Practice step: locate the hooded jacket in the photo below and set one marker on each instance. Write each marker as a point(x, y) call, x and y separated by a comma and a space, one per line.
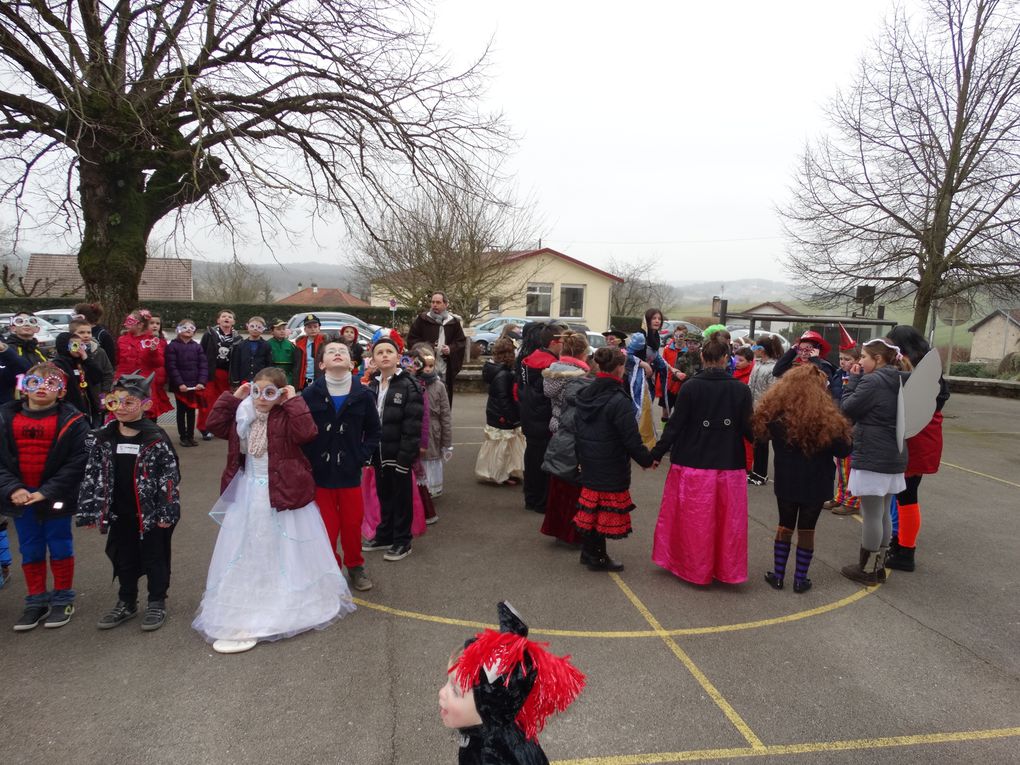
point(871, 402)
point(555, 380)
point(84, 379)
point(357, 352)
point(607, 436)
point(12, 364)
point(401, 421)
point(27, 349)
point(186, 364)
point(536, 409)
point(501, 410)
point(346, 439)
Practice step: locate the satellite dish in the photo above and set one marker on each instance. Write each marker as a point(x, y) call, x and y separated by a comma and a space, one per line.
point(955, 310)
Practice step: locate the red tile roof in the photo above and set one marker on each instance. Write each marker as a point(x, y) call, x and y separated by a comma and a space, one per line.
point(162, 278)
point(324, 297)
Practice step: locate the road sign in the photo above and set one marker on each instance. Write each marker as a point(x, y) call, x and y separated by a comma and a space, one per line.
point(955, 310)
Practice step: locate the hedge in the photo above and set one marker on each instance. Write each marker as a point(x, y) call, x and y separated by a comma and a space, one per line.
point(205, 314)
point(972, 369)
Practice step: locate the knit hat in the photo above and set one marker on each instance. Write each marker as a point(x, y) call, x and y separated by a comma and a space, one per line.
point(515, 681)
point(637, 342)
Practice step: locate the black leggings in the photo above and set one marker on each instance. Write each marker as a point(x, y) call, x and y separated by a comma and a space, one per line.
point(185, 421)
point(761, 459)
point(795, 515)
point(909, 495)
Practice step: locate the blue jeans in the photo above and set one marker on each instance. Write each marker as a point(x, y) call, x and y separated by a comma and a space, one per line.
point(37, 536)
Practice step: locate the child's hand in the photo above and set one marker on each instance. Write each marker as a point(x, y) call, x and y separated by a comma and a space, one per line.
point(182, 388)
point(855, 369)
point(34, 497)
point(20, 497)
point(288, 392)
point(200, 386)
point(421, 453)
point(242, 390)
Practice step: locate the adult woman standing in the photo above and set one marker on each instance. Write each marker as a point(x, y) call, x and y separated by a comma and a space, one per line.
point(702, 529)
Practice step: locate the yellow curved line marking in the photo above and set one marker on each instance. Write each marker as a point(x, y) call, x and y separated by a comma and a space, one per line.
point(983, 475)
point(623, 634)
point(772, 750)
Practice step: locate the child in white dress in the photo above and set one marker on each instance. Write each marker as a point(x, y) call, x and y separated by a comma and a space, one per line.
point(272, 574)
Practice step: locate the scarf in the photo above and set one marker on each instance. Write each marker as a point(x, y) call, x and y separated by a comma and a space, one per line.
point(428, 377)
point(252, 428)
point(338, 386)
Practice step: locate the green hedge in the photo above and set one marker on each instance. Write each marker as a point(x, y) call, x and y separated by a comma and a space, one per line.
point(971, 369)
point(205, 314)
point(626, 323)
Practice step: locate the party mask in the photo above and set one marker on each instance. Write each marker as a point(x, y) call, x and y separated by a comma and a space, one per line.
point(21, 321)
point(150, 343)
point(185, 328)
point(267, 392)
point(76, 346)
point(116, 401)
point(256, 327)
point(33, 383)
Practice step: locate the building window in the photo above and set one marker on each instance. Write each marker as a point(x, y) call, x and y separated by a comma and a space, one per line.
point(539, 300)
point(572, 301)
point(494, 304)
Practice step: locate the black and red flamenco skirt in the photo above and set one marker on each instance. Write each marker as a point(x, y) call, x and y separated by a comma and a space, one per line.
point(604, 512)
point(560, 506)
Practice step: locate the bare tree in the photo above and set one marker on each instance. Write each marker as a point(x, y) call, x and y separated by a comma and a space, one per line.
point(234, 282)
point(463, 244)
point(917, 190)
point(638, 292)
point(123, 113)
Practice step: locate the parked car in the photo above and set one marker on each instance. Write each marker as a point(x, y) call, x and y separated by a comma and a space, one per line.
point(330, 322)
point(494, 326)
point(46, 336)
point(668, 327)
point(595, 341)
point(58, 317)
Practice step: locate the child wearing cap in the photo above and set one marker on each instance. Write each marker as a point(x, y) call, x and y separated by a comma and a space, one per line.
point(812, 348)
point(501, 688)
point(308, 345)
point(42, 457)
point(281, 349)
point(131, 492)
point(187, 370)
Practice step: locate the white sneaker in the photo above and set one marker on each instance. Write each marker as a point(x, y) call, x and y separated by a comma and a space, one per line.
point(233, 646)
point(433, 519)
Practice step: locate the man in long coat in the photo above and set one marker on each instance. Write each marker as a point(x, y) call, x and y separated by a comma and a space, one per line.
point(442, 330)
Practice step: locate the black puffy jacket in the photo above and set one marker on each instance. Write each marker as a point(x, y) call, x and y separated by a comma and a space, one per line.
point(501, 410)
point(401, 422)
point(607, 435)
point(536, 409)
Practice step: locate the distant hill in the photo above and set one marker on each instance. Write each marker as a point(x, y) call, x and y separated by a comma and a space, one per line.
point(736, 291)
point(285, 277)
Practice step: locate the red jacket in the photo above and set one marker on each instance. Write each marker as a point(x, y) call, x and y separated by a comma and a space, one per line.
point(291, 484)
point(301, 357)
point(924, 451)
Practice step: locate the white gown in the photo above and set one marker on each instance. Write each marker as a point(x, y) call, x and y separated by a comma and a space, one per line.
point(272, 574)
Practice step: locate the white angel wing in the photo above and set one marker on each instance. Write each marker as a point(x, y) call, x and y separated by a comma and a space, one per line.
point(920, 392)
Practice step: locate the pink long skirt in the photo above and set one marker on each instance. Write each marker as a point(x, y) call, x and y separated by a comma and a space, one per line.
point(373, 513)
point(701, 533)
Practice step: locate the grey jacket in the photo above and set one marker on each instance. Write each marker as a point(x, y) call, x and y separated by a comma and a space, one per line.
point(870, 401)
point(761, 378)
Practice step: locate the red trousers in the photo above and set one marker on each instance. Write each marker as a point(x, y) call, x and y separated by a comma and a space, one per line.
point(218, 383)
point(342, 512)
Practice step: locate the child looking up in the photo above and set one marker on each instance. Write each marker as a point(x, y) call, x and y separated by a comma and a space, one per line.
point(282, 350)
point(131, 491)
point(252, 354)
point(400, 407)
point(23, 329)
point(42, 457)
point(807, 432)
point(219, 343)
point(440, 439)
point(188, 370)
point(272, 573)
point(345, 414)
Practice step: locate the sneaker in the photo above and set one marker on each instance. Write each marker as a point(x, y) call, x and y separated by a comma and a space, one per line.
point(368, 545)
point(397, 552)
point(359, 579)
point(188, 442)
point(117, 615)
point(433, 519)
point(155, 615)
point(207, 436)
point(844, 510)
point(756, 480)
point(59, 616)
point(31, 617)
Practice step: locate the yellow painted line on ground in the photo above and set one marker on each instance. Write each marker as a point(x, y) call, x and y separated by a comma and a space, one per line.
point(697, 755)
point(983, 475)
point(626, 634)
point(703, 681)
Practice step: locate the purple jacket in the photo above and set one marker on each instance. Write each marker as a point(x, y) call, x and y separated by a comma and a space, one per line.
point(186, 364)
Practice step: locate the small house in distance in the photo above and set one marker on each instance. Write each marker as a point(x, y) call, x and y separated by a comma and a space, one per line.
point(326, 297)
point(996, 336)
point(58, 276)
point(786, 317)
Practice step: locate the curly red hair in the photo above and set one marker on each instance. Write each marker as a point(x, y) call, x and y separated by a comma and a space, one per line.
point(802, 404)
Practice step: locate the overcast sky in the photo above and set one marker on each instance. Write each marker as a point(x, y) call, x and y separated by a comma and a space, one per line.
point(666, 129)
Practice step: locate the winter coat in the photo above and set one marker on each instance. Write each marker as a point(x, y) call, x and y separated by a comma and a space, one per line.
point(291, 485)
point(102, 359)
point(710, 421)
point(12, 364)
point(924, 450)
point(106, 341)
point(440, 434)
point(425, 329)
point(246, 361)
point(871, 401)
point(560, 457)
point(801, 478)
point(301, 358)
point(157, 481)
point(64, 466)
point(84, 380)
point(132, 357)
point(401, 419)
point(501, 410)
point(536, 409)
point(554, 381)
point(346, 439)
point(27, 349)
point(833, 374)
point(761, 378)
point(607, 436)
point(282, 353)
point(211, 345)
point(186, 364)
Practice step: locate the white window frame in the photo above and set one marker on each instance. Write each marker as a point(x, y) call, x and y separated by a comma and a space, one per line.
point(542, 289)
point(584, 297)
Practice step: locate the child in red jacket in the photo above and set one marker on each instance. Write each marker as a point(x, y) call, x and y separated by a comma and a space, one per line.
point(272, 574)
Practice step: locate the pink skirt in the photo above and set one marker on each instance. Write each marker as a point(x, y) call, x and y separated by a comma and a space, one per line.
point(701, 533)
point(373, 513)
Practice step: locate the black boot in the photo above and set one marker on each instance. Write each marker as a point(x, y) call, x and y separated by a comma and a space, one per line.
point(780, 554)
point(901, 559)
point(600, 560)
point(589, 548)
point(864, 570)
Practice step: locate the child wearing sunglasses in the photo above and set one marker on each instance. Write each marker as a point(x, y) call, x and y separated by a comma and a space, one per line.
point(272, 574)
point(252, 355)
point(24, 328)
point(142, 353)
point(42, 457)
point(187, 370)
point(131, 492)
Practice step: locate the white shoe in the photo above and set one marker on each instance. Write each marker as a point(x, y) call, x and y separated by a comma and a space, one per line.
point(233, 646)
point(433, 519)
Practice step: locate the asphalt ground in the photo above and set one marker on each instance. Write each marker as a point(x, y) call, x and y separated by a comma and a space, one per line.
point(923, 669)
